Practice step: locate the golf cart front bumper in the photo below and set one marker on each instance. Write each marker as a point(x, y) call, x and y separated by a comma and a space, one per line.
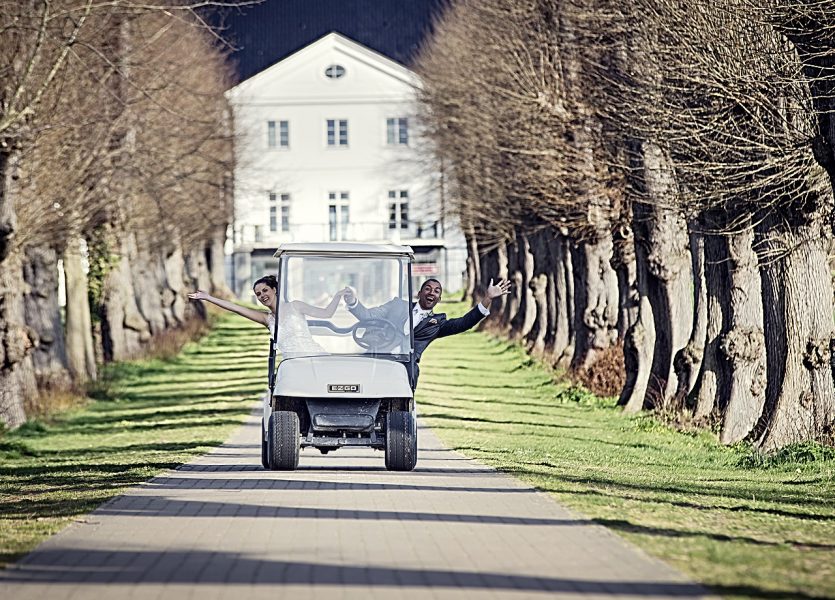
point(342, 400)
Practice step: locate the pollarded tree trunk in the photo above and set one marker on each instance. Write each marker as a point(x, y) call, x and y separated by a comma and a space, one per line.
point(503, 264)
point(566, 333)
point(43, 315)
point(217, 262)
point(173, 293)
point(539, 290)
point(798, 301)
point(664, 276)
point(714, 377)
point(8, 189)
point(171, 290)
point(623, 262)
point(17, 373)
point(732, 378)
point(688, 360)
point(489, 268)
point(550, 240)
point(495, 267)
point(595, 300)
point(124, 330)
point(525, 317)
point(812, 36)
point(473, 264)
point(670, 285)
point(513, 301)
point(17, 377)
point(147, 272)
point(197, 271)
point(81, 358)
point(639, 343)
point(744, 344)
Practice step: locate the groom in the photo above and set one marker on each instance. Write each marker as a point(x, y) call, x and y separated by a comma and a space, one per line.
point(427, 325)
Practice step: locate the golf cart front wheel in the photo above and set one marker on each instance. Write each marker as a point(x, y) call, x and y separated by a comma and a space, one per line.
point(283, 440)
point(401, 440)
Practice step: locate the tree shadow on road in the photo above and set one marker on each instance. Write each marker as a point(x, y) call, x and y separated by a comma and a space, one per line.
point(89, 567)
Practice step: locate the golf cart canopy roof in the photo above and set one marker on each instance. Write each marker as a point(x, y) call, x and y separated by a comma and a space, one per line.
point(344, 249)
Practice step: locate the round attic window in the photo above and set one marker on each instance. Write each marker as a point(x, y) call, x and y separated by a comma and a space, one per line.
point(334, 71)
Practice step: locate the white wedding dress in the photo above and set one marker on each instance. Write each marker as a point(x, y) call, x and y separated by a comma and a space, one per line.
point(294, 337)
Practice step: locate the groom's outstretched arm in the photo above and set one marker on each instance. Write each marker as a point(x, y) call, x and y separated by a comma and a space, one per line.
point(478, 312)
point(461, 324)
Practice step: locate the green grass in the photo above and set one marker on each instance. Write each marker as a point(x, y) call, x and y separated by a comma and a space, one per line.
point(146, 417)
point(745, 525)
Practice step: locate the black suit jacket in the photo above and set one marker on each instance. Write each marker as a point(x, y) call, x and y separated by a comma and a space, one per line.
point(432, 327)
point(436, 326)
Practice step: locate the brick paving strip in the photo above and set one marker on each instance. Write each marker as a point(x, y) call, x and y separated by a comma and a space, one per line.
point(339, 527)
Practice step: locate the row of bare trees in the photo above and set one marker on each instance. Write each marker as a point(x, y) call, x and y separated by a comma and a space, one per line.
point(115, 162)
point(655, 175)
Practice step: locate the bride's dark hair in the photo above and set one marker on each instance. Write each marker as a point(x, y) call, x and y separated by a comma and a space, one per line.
point(269, 280)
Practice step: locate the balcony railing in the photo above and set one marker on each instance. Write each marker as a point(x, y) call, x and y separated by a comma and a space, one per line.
point(348, 232)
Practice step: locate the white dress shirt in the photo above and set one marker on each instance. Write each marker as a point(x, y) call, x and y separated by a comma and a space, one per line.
point(418, 314)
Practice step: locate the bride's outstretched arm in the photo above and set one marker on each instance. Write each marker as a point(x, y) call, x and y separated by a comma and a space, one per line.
point(250, 313)
point(316, 311)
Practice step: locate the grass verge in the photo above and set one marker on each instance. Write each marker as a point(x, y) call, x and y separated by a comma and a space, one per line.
point(748, 527)
point(146, 416)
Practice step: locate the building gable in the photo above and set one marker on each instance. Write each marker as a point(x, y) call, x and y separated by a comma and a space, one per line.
point(302, 75)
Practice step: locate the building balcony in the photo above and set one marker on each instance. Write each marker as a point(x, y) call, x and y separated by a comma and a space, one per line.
point(415, 234)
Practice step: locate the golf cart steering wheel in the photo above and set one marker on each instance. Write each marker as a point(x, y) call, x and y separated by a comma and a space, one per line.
point(377, 334)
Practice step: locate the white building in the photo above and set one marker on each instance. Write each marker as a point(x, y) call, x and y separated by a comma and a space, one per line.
point(328, 148)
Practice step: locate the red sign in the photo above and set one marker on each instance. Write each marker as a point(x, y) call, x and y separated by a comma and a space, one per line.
point(425, 269)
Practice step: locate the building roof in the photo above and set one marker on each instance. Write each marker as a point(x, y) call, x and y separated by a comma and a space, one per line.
point(268, 32)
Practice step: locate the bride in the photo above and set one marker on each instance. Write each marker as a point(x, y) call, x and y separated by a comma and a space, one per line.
point(294, 338)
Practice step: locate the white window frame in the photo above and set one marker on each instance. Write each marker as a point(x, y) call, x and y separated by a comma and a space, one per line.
point(271, 134)
point(284, 213)
point(339, 215)
point(397, 131)
point(336, 75)
point(278, 134)
point(398, 208)
point(273, 212)
point(340, 126)
point(279, 212)
point(284, 134)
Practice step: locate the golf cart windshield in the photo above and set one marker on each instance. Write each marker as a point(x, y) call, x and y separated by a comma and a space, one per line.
point(311, 281)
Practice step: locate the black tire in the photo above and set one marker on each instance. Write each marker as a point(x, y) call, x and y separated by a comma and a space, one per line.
point(284, 440)
point(265, 448)
point(401, 440)
point(324, 450)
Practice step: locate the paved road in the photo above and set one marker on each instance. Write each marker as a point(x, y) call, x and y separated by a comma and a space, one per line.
point(339, 527)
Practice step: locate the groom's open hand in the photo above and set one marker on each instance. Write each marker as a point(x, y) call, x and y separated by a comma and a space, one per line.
point(502, 288)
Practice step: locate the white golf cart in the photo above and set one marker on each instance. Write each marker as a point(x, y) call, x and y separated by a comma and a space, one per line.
point(355, 386)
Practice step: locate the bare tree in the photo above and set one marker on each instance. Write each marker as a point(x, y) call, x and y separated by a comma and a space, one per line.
point(673, 151)
point(78, 97)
